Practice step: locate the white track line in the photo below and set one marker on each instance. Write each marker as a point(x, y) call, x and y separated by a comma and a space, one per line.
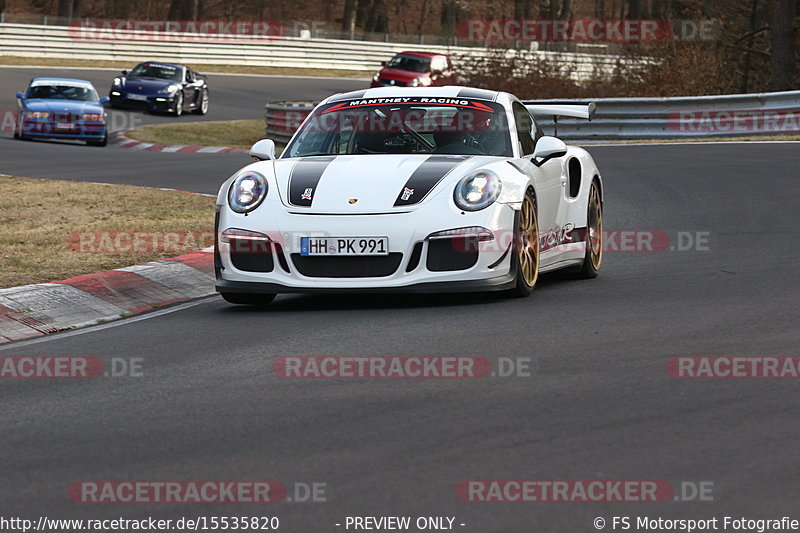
point(121, 322)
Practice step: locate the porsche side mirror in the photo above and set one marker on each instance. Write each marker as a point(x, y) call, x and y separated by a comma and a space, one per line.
point(548, 148)
point(20, 96)
point(383, 63)
point(124, 72)
point(263, 150)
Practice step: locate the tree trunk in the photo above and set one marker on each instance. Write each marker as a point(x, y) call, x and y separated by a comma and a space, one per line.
point(76, 8)
point(748, 58)
point(634, 9)
point(349, 17)
point(65, 8)
point(175, 9)
point(782, 60)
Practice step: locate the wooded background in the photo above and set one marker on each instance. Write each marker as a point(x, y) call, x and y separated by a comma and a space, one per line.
point(758, 49)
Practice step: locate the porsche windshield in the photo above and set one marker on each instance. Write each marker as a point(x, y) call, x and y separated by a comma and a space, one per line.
point(158, 71)
point(406, 125)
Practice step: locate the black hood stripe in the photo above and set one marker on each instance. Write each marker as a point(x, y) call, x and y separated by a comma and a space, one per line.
point(426, 177)
point(304, 179)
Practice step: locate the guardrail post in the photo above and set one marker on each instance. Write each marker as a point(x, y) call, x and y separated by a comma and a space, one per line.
point(2, 17)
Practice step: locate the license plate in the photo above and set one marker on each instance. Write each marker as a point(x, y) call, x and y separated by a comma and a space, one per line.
point(140, 97)
point(344, 246)
point(63, 126)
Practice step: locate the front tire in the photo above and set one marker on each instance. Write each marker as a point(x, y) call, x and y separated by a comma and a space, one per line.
point(248, 298)
point(179, 105)
point(102, 142)
point(594, 235)
point(202, 108)
point(526, 243)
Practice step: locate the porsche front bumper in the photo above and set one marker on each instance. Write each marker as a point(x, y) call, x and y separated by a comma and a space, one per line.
point(418, 260)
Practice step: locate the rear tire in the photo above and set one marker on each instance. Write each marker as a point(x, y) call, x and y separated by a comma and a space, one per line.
point(526, 244)
point(594, 235)
point(248, 298)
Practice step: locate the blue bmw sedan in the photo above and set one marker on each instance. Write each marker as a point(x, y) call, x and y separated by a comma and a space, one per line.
point(62, 108)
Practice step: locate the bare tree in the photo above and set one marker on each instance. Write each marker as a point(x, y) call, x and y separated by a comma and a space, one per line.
point(782, 61)
point(183, 10)
point(349, 17)
point(65, 8)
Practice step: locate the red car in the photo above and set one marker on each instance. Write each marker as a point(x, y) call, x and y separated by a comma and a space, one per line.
point(416, 69)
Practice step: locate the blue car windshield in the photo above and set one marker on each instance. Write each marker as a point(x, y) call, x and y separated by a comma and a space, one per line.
point(63, 92)
point(404, 125)
point(158, 71)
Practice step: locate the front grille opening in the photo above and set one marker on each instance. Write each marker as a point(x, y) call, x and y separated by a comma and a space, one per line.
point(416, 254)
point(458, 253)
point(251, 256)
point(347, 266)
point(281, 258)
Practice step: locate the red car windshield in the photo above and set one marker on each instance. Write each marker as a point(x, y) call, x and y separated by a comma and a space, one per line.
point(410, 63)
point(406, 125)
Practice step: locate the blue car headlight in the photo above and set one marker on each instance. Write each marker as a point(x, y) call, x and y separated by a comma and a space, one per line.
point(118, 82)
point(172, 89)
point(247, 192)
point(477, 191)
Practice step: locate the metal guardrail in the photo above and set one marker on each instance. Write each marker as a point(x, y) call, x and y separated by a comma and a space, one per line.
point(31, 40)
point(632, 118)
point(683, 117)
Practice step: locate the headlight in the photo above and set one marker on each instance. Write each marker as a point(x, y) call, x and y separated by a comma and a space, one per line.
point(375, 78)
point(96, 117)
point(117, 82)
point(172, 89)
point(477, 191)
point(247, 192)
point(414, 82)
point(37, 114)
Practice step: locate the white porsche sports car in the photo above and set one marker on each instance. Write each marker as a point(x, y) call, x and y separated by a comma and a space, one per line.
point(440, 189)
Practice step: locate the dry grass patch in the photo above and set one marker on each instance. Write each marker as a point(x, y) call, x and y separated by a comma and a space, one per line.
point(236, 133)
point(205, 69)
point(38, 216)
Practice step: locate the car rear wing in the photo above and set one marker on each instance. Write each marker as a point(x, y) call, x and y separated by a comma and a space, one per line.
point(555, 109)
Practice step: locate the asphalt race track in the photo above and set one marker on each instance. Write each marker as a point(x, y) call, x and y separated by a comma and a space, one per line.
point(598, 405)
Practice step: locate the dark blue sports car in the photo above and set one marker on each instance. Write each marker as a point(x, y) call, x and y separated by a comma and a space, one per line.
point(161, 87)
point(62, 108)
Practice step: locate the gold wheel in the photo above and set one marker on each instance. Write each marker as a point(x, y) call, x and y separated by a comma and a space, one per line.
point(595, 228)
point(528, 252)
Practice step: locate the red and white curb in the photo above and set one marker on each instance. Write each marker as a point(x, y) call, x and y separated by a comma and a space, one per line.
point(32, 310)
point(119, 139)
